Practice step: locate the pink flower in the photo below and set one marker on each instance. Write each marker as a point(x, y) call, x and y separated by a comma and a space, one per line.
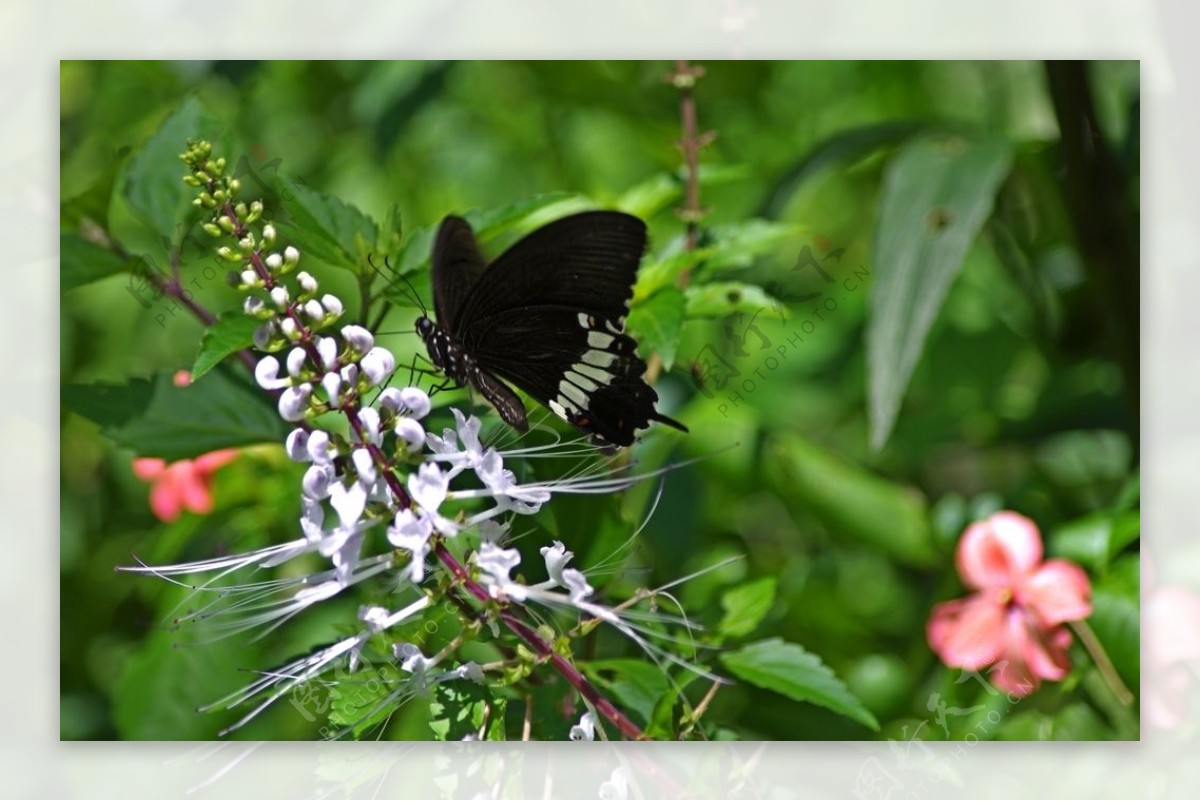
point(186, 484)
point(1015, 619)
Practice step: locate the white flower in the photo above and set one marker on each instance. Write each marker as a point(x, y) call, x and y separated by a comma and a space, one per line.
point(374, 616)
point(358, 338)
point(289, 328)
point(266, 373)
point(411, 533)
point(312, 519)
point(585, 729)
point(470, 670)
point(349, 502)
point(296, 445)
point(332, 383)
point(428, 486)
point(412, 661)
point(295, 361)
point(274, 261)
point(496, 563)
point(377, 365)
point(327, 349)
point(502, 483)
point(556, 556)
point(306, 282)
point(410, 401)
point(293, 403)
point(491, 531)
point(291, 254)
point(576, 584)
point(467, 434)
point(364, 464)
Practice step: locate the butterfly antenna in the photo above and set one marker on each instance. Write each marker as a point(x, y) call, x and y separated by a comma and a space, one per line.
point(416, 296)
point(390, 277)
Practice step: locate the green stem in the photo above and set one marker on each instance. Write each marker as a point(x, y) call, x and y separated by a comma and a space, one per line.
point(1103, 663)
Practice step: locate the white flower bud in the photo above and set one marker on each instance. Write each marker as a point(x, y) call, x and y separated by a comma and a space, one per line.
point(377, 365)
point(274, 261)
point(416, 401)
point(327, 349)
point(289, 328)
point(250, 278)
point(268, 233)
point(295, 361)
point(293, 403)
point(291, 254)
point(317, 478)
point(319, 449)
point(332, 305)
point(306, 282)
point(297, 445)
point(410, 431)
point(364, 465)
point(332, 382)
point(280, 297)
point(358, 338)
point(264, 334)
point(314, 310)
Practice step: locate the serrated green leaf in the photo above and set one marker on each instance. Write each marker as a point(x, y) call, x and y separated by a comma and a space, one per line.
point(233, 331)
point(82, 262)
point(788, 669)
point(657, 323)
point(722, 298)
point(160, 419)
point(152, 179)
point(746, 606)
point(328, 228)
point(936, 195)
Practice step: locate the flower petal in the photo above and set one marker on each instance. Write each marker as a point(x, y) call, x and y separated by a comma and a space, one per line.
point(1056, 592)
point(148, 469)
point(165, 501)
point(967, 633)
point(998, 551)
point(213, 460)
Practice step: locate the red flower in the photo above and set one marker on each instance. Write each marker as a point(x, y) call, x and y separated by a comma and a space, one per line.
point(1015, 619)
point(186, 484)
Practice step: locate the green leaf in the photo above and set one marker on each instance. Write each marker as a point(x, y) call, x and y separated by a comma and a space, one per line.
point(328, 228)
point(636, 685)
point(153, 183)
point(460, 708)
point(361, 701)
point(82, 262)
point(662, 189)
point(788, 669)
point(160, 419)
point(732, 246)
point(1116, 624)
point(936, 195)
point(658, 322)
point(851, 502)
point(746, 606)
point(1094, 540)
point(722, 298)
point(522, 216)
point(233, 331)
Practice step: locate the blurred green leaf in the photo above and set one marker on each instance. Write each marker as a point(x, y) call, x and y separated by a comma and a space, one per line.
point(328, 228)
point(360, 701)
point(850, 501)
point(82, 262)
point(788, 669)
point(636, 685)
point(233, 331)
point(152, 179)
point(936, 195)
point(522, 216)
point(1094, 540)
point(160, 419)
point(662, 189)
point(1115, 621)
point(657, 323)
point(723, 298)
point(746, 606)
point(1076, 721)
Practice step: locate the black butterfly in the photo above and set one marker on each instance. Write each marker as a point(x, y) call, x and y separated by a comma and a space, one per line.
point(548, 315)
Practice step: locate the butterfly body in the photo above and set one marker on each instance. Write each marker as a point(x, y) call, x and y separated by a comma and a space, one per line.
point(548, 316)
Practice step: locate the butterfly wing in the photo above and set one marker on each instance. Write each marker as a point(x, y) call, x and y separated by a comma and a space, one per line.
point(457, 266)
point(549, 314)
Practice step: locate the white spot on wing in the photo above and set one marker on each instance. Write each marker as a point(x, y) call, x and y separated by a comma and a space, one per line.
point(581, 382)
point(573, 392)
point(593, 373)
point(597, 339)
point(558, 409)
point(583, 320)
point(600, 358)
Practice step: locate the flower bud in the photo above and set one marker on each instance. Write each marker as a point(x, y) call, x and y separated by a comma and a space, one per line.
point(314, 310)
point(296, 445)
point(332, 305)
point(358, 337)
point(274, 261)
point(377, 365)
point(289, 329)
point(268, 234)
point(254, 212)
point(291, 254)
point(332, 384)
point(295, 361)
point(280, 297)
point(327, 349)
point(212, 229)
point(306, 281)
point(293, 403)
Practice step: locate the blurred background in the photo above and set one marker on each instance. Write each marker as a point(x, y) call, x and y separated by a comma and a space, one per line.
point(1024, 395)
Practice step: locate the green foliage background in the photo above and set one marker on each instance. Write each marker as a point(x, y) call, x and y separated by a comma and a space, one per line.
point(965, 259)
